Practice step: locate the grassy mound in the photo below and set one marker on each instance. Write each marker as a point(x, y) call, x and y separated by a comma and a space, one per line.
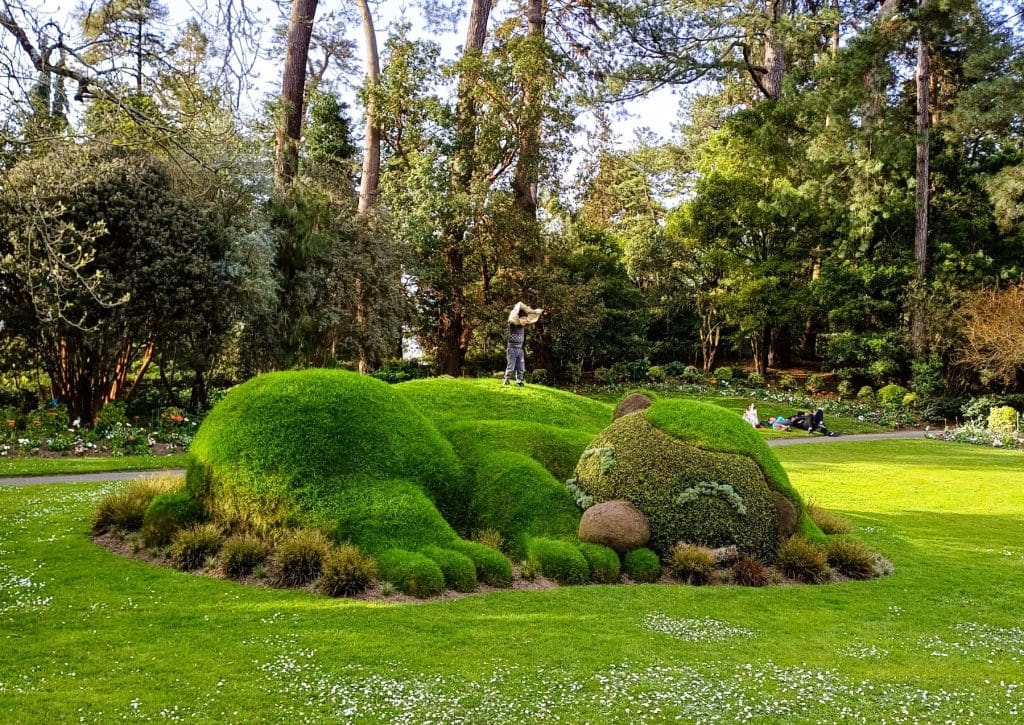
point(447, 400)
point(688, 493)
point(298, 447)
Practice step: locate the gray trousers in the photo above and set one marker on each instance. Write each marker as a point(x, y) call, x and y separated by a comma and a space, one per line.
point(516, 364)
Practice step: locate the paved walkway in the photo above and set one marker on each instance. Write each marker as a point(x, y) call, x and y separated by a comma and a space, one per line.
point(854, 437)
point(127, 475)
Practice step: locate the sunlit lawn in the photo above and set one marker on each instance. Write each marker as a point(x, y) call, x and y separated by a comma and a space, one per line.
point(45, 466)
point(85, 634)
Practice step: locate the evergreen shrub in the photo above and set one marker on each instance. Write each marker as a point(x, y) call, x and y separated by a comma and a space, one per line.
point(724, 374)
point(558, 560)
point(1002, 419)
point(891, 395)
point(866, 394)
point(692, 374)
point(657, 374)
point(815, 382)
point(492, 568)
point(642, 565)
point(458, 569)
point(603, 563)
point(412, 572)
point(166, 514)
point(756, 380)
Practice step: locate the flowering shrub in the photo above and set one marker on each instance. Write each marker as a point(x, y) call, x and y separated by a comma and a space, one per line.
point(977, 434)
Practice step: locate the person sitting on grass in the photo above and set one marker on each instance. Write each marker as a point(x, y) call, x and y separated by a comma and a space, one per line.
point(750, 415)
point(520, 316)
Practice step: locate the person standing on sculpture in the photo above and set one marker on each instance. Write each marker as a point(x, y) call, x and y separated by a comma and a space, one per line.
point(520, 316)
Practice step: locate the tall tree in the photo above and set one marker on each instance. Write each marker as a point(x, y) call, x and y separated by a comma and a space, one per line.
point(370, 178)
point(922, 152)
point(293, 91)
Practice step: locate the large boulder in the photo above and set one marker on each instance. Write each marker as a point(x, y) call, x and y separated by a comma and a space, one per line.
point(632, 403)
point(698, 473)
point(618, 525)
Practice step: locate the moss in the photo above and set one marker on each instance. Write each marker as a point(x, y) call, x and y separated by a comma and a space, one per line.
point(558, 560)
point(642, 565)
point(166, 514)
point(603, 563)
point(707, 426)
point(492, 567)
point(688, 493)
point(458, 569)
point(413, 573)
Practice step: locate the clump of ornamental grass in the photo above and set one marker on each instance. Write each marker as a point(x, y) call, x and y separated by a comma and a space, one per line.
point(491, 538)
point(347, 571)
point(850, 558)
point(830, 523)
point(690, 563)
point(125, 509)
point(299, 557)
point(194, 546)
point(241, 554)
point(799, 559)
point(749, 572)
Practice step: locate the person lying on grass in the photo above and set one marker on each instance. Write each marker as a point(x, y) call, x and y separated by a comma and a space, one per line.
point(811, 422)
point(520, 316)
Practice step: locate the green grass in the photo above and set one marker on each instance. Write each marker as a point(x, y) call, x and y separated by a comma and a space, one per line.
point(59, 466)
point(87, 635)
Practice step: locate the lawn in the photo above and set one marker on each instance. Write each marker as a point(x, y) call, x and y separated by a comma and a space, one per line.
point(89, 636)
point(50, 466)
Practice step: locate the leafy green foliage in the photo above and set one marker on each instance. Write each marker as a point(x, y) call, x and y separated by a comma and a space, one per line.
point(166, 514)
point(558, 560)
point(802, 560)
point(892, 395)
point(241, 554)
point(346, 571)
point(642, 565)
point(413, 573)
point(690, 563)
point(299, 557)
point(191, 547)
point(603, 562)
point(458, 569)
point(1003, 419)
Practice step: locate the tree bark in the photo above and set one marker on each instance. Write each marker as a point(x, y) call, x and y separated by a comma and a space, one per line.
point(774, 52)
point(527, 172)
point(454, 333)
point(293, 87)
point(917, 332)
point(371, 146)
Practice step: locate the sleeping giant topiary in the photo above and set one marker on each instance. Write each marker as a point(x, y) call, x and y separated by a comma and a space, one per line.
point(698, 472)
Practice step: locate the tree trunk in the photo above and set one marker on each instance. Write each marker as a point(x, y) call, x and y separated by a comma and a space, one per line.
point(873, 83)
point(527, 172)
point(293, 85)
point(774, 56)
point(371, 146)
point(917, 333)
point(199, 397)
point(453, 332)
point(370, 177)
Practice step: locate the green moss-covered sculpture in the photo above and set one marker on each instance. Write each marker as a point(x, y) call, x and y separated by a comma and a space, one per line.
point(699, 474)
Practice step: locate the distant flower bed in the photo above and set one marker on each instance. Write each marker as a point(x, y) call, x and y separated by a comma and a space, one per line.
point(978, 435)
